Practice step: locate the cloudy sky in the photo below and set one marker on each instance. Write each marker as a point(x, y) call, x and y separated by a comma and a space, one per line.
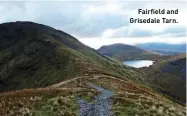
point(101, 23)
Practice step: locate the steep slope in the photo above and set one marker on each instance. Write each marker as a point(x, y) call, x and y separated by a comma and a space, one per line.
point(169, 77)
point(126, 52)
point(34, 55)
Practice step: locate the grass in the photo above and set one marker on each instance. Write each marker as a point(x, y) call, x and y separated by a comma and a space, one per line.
point(40, 56)
point(65, 106)
point(42, 102)
point(44, 60)
point(128, 100)
point(168, 77)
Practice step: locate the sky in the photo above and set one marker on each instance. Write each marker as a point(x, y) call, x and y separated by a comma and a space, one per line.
point(97, 23)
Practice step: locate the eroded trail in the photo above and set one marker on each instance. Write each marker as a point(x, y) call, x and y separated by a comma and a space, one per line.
point(101, 105)
point(128, 96)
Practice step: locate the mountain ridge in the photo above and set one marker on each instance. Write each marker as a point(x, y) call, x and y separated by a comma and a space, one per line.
point(164, 48)
point(29, 51)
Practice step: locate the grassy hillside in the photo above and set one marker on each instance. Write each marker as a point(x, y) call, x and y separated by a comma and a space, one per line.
point(58, 69)
point(34, 55)
point(60, 99)
point(169, 77)
point(126, 52)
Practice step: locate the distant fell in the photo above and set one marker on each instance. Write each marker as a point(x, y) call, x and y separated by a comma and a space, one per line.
point(164, 48)
point(126, 52)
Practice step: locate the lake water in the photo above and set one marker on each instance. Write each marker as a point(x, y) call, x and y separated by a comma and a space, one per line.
point(138, 63)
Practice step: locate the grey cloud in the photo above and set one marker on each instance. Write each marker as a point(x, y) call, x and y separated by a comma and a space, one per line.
point(174, 32)
point(141, 33)
point(72, 18)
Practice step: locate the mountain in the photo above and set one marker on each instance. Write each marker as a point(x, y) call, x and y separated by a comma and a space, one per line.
point(163, 48)
point(169, 77)
point(44, 71)
point(126, 52)
point(34, 55)
point(164, 52)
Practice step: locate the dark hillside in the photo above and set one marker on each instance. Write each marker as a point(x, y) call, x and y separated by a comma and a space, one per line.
point(35, 55)
point(169, 77)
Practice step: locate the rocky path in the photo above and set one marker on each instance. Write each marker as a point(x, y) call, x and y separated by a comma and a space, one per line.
point(101, 105)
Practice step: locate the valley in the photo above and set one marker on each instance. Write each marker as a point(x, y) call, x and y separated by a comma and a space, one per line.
point(43, 72)
point(165, 73)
